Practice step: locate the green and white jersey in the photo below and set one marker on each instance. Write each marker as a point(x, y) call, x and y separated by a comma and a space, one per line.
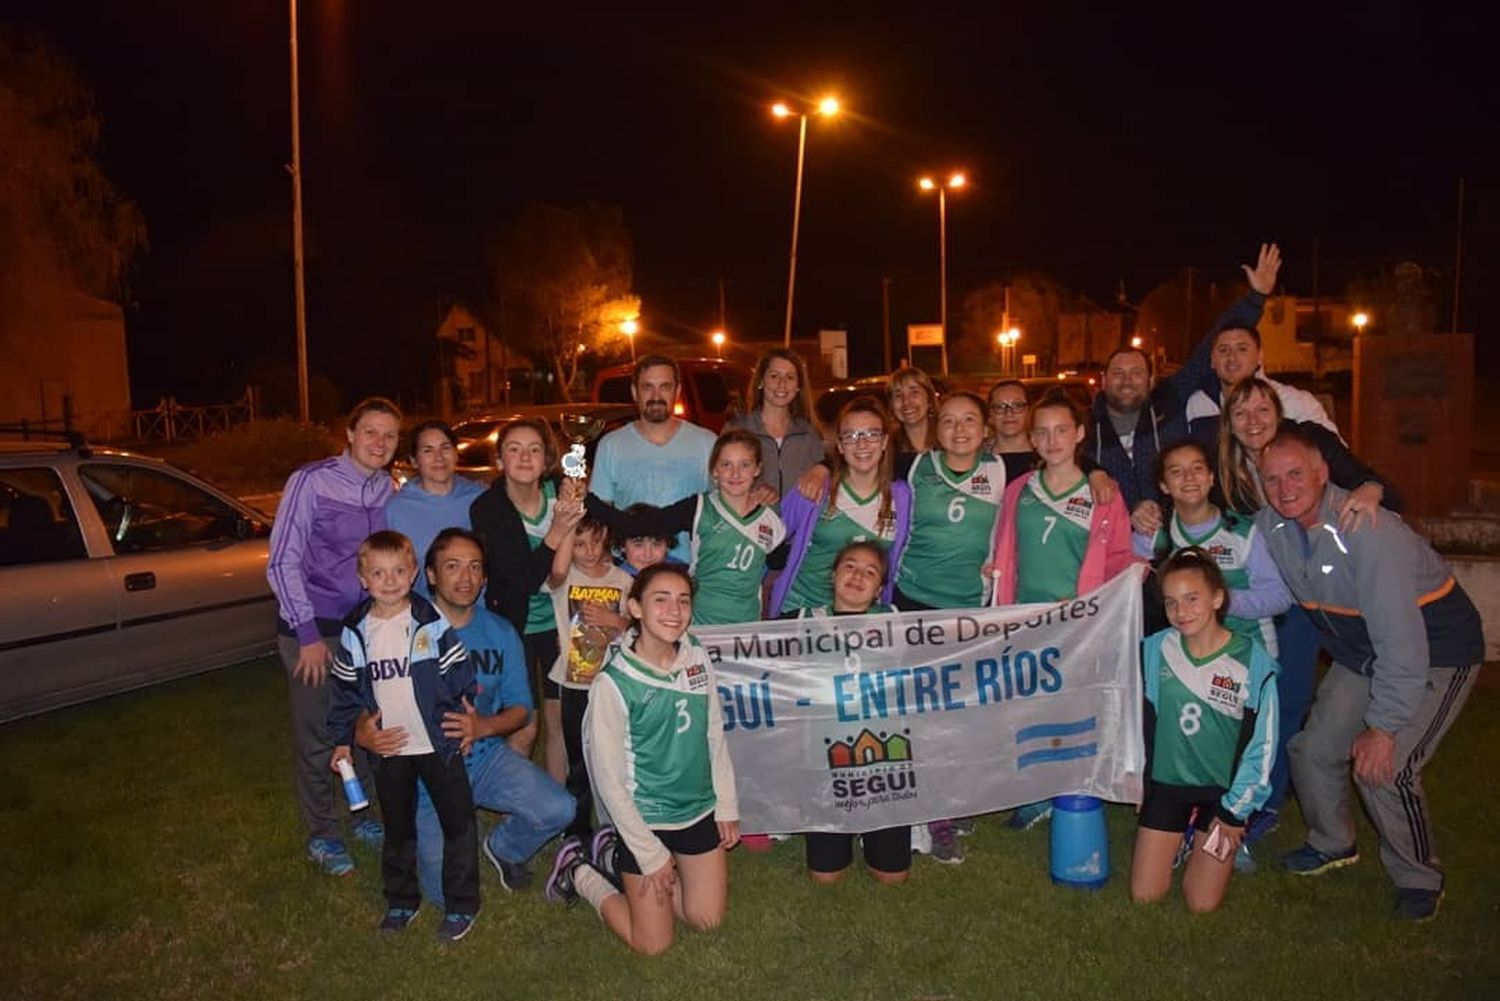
point(539, 617)
point(952, 518)
point(729, 560)
point(1052, 538)
point(1228, 539)
point(665, 762)
point(1215, 718)
point(854, 519)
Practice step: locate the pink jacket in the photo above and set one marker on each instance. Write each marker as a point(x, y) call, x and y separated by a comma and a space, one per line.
point(1108, 554)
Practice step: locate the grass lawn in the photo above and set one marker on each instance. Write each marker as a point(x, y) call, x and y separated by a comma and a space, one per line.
point(153, 851)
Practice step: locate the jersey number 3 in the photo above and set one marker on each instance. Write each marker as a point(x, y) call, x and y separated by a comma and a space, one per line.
point(683, 719)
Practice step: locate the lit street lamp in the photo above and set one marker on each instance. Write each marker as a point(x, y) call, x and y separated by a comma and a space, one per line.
point(828, 107)
point(629, 328)
point(1136, 342)
point(955, 181)
point(718, 338)
point(1007, 340)
point(1360, 320)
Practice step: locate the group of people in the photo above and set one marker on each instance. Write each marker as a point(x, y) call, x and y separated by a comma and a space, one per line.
point(421, 627)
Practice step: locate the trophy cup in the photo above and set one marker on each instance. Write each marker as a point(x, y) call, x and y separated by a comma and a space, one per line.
point(580, 429)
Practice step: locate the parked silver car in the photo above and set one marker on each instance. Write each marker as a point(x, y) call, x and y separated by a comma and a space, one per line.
point(119, 571)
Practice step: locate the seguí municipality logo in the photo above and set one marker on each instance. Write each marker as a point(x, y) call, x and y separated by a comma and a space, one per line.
point(868, 770)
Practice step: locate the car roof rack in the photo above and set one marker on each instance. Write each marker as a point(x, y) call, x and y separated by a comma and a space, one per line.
point(28, 432)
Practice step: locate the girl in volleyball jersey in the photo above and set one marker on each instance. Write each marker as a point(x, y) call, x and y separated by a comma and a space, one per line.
point(1057, 538)
point(730, 534)
point(859, 574)
point(1211, 719)
point(956, 492)
point(654, 738)
point(1256, 590)
point(860, 502)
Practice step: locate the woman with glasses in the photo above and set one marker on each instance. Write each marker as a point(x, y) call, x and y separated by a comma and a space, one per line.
point(1009, 439)
point(861, 501)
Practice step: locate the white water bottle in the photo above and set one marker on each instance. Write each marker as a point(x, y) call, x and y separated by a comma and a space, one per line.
point(353, 791)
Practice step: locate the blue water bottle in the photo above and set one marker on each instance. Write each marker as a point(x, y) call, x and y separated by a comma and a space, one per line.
point(353, 791)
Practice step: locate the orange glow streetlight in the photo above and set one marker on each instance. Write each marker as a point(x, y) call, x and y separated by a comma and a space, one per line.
point(630, 328)
point(1007, 340)
point(718, 338)
point(1360, 320)
point(955, 180)
point(1136, 343)
point(827, 107)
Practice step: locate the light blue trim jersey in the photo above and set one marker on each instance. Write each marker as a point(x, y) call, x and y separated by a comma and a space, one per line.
point(1203, 709)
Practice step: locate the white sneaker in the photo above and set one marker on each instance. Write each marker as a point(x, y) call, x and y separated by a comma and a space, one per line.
point(921, 841)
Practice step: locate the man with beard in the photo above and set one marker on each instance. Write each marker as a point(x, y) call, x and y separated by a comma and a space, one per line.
point(658, 459)
point(1406, 644)
point(1134, 421)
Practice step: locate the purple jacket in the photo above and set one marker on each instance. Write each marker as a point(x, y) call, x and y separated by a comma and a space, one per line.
point(800, 516)
point(327, 509)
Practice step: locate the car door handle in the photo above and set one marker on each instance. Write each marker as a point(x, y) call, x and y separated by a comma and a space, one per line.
point(140, 581)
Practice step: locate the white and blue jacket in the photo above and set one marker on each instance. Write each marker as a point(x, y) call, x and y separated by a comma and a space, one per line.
point(440, 670)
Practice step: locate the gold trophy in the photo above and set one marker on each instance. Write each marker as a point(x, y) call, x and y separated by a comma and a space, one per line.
point(580, 429)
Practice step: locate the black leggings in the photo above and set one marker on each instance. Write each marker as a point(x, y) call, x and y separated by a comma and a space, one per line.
point(574, 702)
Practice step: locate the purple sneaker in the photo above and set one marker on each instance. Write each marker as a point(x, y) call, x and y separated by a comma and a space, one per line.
point(560, 887)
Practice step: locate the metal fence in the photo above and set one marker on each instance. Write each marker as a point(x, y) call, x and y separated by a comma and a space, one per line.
point(171, 421)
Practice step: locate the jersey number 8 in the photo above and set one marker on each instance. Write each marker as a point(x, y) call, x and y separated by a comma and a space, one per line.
point(1190, 720)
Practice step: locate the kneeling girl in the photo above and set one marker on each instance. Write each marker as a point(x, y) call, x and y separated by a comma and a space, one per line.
point(1211, 720)
point(654, 741)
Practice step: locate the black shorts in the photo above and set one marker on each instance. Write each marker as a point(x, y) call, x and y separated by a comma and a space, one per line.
point(699, 839)
point(886, 850)
point(541, 654)
point(1167, 807)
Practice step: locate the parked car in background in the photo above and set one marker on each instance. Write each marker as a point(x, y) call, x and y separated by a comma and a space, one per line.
point(119, 571)
point(478, 433)
point(712, 389)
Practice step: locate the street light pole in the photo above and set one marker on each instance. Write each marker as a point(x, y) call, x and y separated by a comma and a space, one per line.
point(791, 278)
point(955, 180)
point(943, 271)
point(827, 107)
point(300, 293)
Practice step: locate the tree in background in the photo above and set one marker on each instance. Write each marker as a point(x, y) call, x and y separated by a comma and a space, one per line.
point(62, 222)
point(1036, 300)
point(565, 277)
point(1176, 314)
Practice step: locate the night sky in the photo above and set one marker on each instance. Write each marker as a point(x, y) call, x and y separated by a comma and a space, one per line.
point(1103, 144)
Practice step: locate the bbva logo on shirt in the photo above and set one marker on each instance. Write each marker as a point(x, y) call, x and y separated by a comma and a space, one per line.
point(388, 668)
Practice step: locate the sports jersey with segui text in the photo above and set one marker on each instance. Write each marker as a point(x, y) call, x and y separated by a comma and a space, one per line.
point(953, 516)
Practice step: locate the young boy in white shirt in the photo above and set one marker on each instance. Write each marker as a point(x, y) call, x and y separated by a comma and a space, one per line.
point(400, 659)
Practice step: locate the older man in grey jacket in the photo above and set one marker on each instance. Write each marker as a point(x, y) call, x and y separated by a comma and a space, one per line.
point(1406, 643)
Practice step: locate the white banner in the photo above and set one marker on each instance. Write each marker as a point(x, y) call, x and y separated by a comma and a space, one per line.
point(861, 722)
